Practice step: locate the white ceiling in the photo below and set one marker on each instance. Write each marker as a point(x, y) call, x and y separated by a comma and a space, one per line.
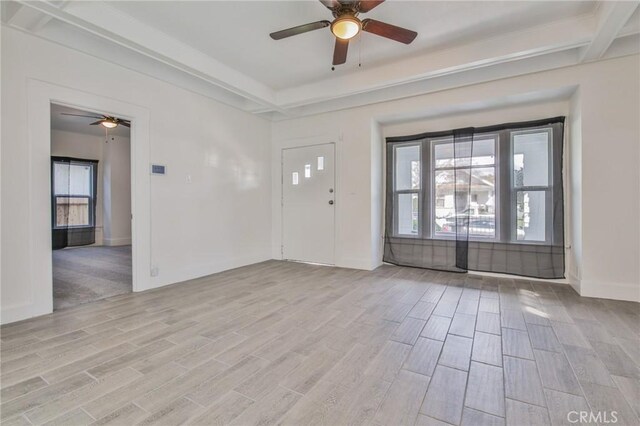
point(69, 123)
point(222, 49)
point(237, 32)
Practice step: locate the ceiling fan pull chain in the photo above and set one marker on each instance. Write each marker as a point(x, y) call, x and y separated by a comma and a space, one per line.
point(360, 50)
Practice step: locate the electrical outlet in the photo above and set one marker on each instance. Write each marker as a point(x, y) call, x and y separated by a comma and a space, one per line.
point(155, 271)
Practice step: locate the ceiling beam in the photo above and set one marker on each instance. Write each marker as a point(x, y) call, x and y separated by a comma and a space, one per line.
point(104, 21)
point(612, 17)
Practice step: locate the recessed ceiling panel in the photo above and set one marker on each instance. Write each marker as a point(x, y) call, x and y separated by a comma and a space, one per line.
point(237, 32)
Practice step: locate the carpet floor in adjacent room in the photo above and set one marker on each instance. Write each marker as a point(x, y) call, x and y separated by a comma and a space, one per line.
point(85, 274)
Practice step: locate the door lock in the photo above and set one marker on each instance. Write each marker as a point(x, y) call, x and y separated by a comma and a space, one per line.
point(331, 202)
point(330, 190)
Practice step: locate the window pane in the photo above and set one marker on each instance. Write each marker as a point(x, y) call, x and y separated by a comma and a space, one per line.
point(482, 153)
point(408, 210)
point(407, 167)
point(530, 215)
point(72, 179)
point(475, 202)
point(445, 205)
point(72, 211)
point(531, 159)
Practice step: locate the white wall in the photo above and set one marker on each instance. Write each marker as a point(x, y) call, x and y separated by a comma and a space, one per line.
point(116, 166)
point(608, 137)
point(220, 220)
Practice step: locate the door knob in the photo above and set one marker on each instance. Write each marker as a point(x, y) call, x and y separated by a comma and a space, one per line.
point(331, 202)
point(330, 190)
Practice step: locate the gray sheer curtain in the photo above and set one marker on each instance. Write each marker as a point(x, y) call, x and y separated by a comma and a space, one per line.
point(484, 199)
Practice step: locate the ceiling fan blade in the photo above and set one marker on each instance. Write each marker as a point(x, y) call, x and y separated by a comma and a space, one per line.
point(300, 29)
point(331, 4)
point(80, 115)
point(125, 123)
point(383, 29)
point(367, 5)
point(340, 51)
point(96, 122)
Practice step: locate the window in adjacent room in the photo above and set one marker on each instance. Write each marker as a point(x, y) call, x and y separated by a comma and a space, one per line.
point(73, 194)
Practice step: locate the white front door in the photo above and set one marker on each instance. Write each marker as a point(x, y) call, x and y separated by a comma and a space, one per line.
point(308, 197)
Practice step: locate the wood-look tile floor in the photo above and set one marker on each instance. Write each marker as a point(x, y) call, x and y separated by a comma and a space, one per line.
point(295, 344)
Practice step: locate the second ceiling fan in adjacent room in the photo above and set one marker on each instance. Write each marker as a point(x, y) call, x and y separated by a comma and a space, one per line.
point(105, 120)
point(347, 25)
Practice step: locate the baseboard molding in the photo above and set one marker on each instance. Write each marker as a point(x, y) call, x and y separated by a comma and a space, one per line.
point(116, 241)
point(21, 312)
point(574, 282)
point(356, 263)
point(616, 291)
point(165, 278)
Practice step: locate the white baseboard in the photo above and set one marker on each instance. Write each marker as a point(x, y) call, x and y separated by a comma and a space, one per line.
point(356, 263)
point(165, 278)
point(574, 282)
point(116, 241)
point(21, 312)
point(616, 291)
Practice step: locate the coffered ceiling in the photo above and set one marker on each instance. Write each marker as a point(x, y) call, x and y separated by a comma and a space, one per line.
point(222, 49)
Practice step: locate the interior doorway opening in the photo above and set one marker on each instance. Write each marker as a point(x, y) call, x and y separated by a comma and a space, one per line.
point(90, 206)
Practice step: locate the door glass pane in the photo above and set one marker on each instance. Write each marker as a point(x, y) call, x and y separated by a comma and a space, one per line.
point(307, 170)
point(320, 163)
point(408, 211)
point(530, 215)
point(407, 167)
point(72, 211)
point(294, 178)
point(531, 159)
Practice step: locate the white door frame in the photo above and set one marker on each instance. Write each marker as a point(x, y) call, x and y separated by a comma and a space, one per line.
point(335, 190)
point(40, 96)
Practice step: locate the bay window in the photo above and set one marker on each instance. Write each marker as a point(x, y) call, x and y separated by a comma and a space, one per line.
point(478, 198)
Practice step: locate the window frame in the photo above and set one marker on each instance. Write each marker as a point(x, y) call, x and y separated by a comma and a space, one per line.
point(505, 191)
point(92, 199)
point(548, 189)
point(397, 192)
point(432, 142)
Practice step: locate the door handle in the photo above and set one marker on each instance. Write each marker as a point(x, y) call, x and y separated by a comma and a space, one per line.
point(331, 202)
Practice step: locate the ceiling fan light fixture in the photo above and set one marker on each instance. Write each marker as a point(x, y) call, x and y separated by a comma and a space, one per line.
point(346, 27)
point(109, 124)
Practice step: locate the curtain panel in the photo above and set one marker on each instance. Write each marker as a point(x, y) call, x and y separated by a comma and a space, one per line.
point(74, 184)
point(484, 199)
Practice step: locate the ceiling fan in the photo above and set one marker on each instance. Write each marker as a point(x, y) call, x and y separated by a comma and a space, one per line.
point(105, 120)
point(347, 25)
